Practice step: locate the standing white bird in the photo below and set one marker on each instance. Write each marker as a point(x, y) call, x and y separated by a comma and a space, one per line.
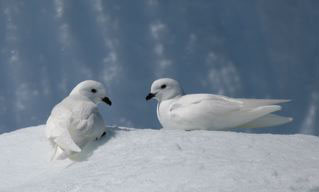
point(76, 120)
point(175, 110)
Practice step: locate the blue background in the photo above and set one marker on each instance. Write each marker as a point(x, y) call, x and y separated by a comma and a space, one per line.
point(248, 48)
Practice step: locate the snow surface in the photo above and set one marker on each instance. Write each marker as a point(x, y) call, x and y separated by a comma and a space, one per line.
point(163, 160)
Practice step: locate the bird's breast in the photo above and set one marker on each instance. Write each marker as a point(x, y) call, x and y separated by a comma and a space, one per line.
point(163, 114)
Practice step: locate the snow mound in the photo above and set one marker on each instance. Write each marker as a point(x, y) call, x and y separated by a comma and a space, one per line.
point(164, 161)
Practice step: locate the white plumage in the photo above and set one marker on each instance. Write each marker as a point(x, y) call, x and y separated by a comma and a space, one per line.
point(211, 112)
point(76, 120)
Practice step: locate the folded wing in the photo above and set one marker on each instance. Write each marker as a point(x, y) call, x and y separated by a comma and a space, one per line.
point(68, 130)
point(207, 111)
point(202, 110)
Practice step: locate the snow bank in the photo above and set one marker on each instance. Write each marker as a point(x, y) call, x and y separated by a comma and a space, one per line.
point(160, 160)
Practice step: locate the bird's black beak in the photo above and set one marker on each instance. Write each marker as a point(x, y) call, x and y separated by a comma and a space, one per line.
point(150, 96)
point(107, 101)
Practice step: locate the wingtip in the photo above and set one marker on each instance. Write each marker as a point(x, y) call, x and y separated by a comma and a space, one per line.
point(283, 101)
point(275, 107)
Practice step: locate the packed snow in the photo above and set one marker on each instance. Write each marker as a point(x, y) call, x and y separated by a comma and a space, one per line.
point(138, 160)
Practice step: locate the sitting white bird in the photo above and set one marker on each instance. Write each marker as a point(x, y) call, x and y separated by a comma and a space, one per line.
point(76, 120)
point(175, 110)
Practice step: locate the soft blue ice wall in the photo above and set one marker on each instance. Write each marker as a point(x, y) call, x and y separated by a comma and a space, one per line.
point(248, 48)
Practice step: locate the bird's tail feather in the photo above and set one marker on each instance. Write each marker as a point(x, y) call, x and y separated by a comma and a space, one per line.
point(54, 152)
point(261, 111)
point(268, 120)
point(262, 102)
point(59, 153)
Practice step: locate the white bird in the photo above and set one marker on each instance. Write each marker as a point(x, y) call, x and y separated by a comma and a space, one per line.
point(175, 110)
point(76, 120)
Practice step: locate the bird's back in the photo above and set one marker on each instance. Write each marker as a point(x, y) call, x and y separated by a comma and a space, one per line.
point(77, 117)
point(208, 111)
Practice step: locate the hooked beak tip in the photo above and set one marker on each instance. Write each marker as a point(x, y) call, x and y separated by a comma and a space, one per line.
point(107, 101)
point(150, 96)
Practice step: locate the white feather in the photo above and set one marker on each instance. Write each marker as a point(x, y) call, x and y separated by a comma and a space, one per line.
point(72, 124)
point(208, 111)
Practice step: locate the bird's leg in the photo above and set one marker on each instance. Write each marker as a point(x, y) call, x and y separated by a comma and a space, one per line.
point(103, 134)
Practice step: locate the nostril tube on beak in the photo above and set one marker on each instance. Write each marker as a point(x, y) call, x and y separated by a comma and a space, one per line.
point(107, 101)
point(150, 96)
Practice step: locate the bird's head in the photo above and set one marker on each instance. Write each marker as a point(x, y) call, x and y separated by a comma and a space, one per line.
point(164, 89)
point(93, 90)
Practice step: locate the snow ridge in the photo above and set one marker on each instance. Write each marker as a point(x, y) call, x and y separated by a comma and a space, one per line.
point(163, 160)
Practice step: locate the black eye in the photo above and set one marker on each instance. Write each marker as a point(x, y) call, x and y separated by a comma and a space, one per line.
point(93, 90)
point(163, 86)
